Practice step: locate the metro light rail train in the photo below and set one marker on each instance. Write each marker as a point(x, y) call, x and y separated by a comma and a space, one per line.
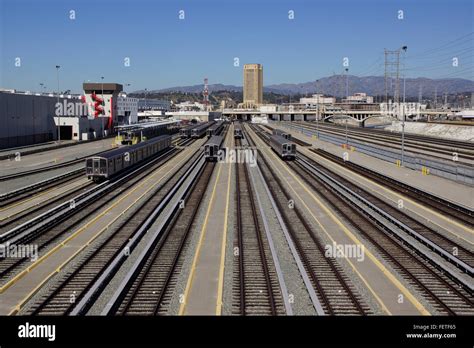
point(282, 133)
point(111, 163)
point(283, 147)
point(134, 136)
point(185, 132)
point(194, 131)
point(200, 130)
point(238, 131)
point(215, 129)
point(212, 147)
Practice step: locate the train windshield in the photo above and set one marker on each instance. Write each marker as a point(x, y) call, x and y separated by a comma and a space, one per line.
point(89, 165)
point(289, 148)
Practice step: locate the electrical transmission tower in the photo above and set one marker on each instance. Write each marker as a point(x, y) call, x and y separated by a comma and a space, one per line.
point(392, 75)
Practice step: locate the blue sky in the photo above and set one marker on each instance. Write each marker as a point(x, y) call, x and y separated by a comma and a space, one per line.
point(165, 51)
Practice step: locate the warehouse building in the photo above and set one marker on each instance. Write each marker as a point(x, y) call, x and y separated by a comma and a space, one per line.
point(29, 119)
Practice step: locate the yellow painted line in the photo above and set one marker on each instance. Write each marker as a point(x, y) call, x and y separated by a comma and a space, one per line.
point(384, 270)
point(441, 216)
point(29, 199)
point(25, 299)
point(34, 197)
point(75, 234)
point(429, 210)
point(189, 283)
point(220, 287)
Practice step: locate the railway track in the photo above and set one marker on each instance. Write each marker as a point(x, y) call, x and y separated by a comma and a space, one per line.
point(444, 294)
point(151, 291)
point(25, 215)
point(438, 242)
point(46, 228)
point(54, 166)
point(46, 169)
point(335, 290)
point(15, 196)
point(256, 288)
point(78, 281)
point(452, 209)
point(448, 296)
point(411, 139)
point(389, 143)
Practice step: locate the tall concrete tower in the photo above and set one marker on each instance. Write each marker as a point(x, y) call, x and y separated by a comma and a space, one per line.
point(253, 85)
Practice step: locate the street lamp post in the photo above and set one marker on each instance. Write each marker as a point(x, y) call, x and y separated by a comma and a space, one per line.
point(145, 102)
point(103, 106)
point(317, 115)
point(347, 82)
point(59, 114)
point(404, 48)
point(347, 141)
point(130, 117)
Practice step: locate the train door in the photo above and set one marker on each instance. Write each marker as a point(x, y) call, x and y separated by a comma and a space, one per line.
point(103, 166)
point(96, 166)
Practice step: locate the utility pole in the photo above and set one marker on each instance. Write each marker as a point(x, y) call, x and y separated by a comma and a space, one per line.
point(404, 48)
point(436, 98)
point(145, 102)
point(59, 115)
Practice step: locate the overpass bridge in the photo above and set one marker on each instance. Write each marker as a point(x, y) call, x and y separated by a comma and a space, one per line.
point(302, 115)
point(359, 116)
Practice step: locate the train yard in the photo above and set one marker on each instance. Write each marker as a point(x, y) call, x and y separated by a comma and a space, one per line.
point(234, 218)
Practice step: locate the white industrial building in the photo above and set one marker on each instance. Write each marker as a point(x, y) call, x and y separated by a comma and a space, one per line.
point(317, 99)
point(358, 98)
point(268, 108)
point(153, 105)
point(189, 106)
point(127, 110)
point(202, 116)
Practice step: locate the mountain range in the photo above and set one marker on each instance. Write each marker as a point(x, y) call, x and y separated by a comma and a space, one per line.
point(336, 86)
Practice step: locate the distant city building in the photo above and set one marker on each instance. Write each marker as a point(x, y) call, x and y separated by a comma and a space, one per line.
point(127, 110)
point(253, 85)
point(359, 98)
point(154, 104)
point(102, 100)
point(268, 108)
point(317, 99)
point(201, 116)
point(189, 106)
